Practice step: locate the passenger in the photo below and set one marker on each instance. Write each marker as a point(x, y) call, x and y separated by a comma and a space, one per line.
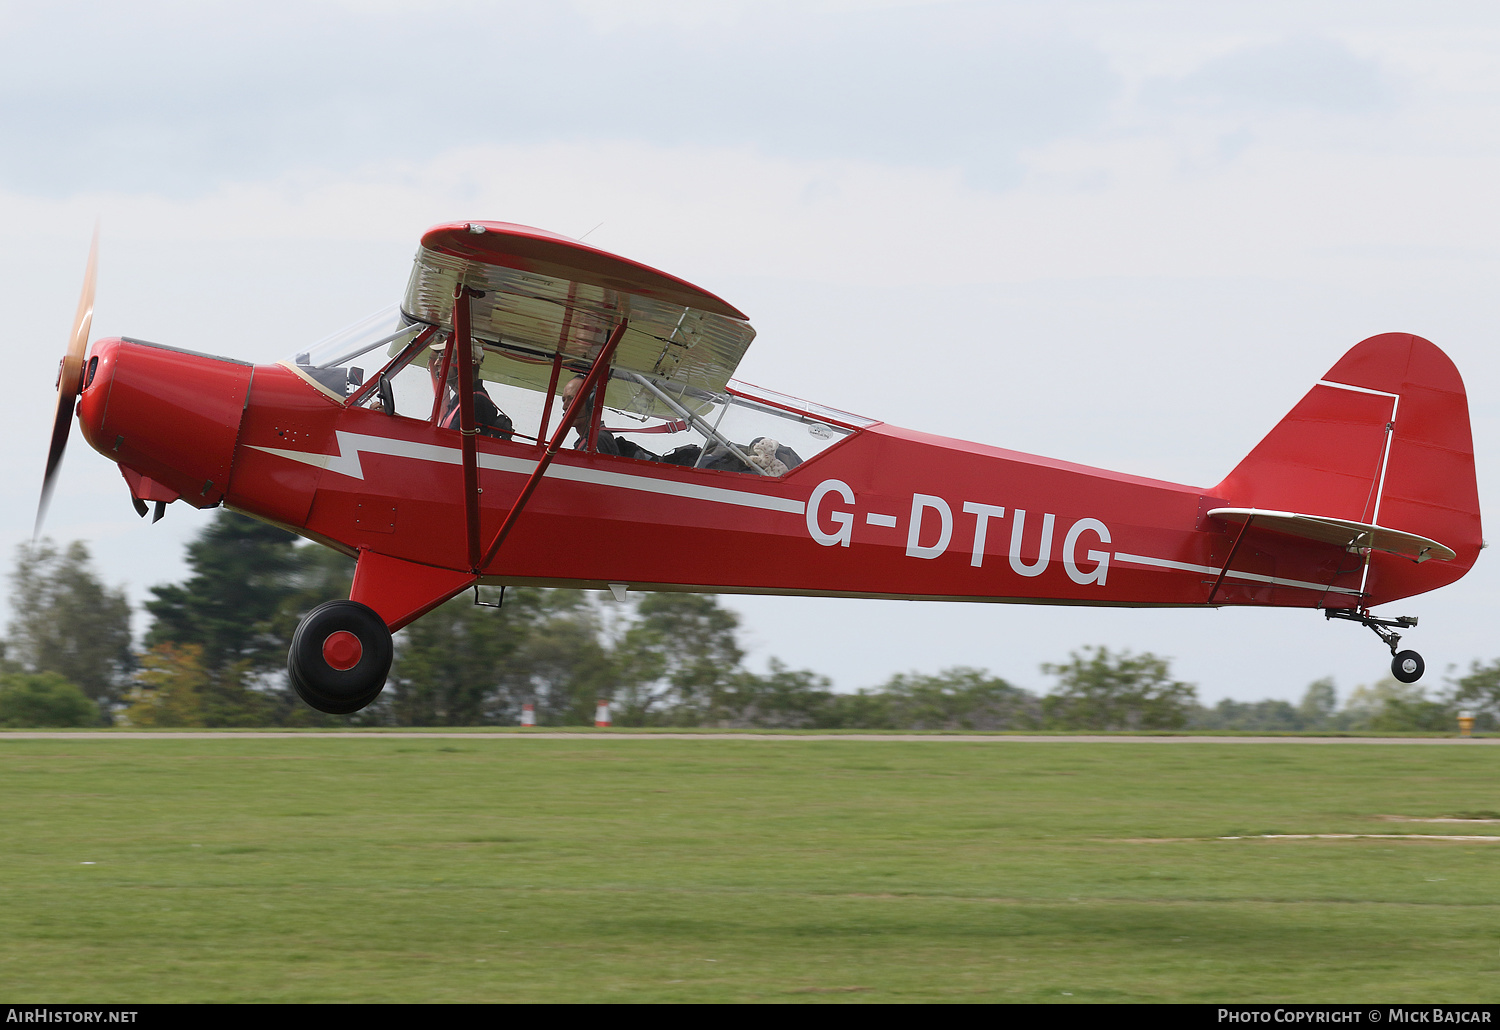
point(766, 455)
point(607, 442)
point(488, 418)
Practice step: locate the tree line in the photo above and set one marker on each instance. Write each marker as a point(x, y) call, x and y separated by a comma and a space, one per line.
point(214, 655)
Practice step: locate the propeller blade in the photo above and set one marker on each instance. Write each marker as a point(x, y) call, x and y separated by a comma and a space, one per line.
point(69, 383)
point(140, 506)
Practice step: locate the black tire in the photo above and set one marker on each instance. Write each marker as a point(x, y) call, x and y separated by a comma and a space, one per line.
point(333, 690)
point(1408, 666)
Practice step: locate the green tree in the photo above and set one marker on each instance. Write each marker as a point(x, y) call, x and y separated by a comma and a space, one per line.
point(1388, 706)
point(959, 698)
point(864, 709)
point(782, 699)
point(250, 585)
point(675, 659)
point(172, 688)
point(64, 620)
point(1479, 692)
point(457, 665)
point(1099, 690)
point(1399, 715)
point(1259, 716)
point(563, 666)
point(44, 699)
point(233, 697)
point(1319, 704)
point(243, 573)
point(316, 574)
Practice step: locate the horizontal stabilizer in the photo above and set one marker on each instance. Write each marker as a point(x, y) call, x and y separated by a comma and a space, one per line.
point(1352, 535)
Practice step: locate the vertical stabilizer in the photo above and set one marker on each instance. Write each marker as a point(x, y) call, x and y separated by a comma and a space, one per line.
point(1383, 438)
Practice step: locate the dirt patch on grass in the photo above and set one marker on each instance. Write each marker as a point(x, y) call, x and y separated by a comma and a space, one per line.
point(1473, 818)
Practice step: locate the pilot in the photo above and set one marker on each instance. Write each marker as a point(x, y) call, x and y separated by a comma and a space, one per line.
point(608, 443)
point(488, 418)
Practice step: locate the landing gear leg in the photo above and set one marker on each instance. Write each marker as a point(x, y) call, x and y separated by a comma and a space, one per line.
point(1406, 666)
point(340, 656)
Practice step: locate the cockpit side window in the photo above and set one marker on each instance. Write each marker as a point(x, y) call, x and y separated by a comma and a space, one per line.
point(424, 383)
point(724, 432)
point(395, 364)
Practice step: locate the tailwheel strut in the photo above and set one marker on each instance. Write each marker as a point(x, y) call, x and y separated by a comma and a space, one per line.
point(1406, 666)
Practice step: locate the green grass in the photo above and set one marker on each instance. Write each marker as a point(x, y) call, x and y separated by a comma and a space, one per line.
point(502, 870)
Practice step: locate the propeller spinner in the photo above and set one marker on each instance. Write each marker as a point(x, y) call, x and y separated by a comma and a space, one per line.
point(69, 383)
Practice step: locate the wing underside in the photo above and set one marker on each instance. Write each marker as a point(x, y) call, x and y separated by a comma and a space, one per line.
point(566, 302)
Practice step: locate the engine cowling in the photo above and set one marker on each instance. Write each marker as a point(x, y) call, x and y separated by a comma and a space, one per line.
point(170, 415)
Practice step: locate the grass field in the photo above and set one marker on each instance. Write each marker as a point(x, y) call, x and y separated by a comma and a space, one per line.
point(363, 869)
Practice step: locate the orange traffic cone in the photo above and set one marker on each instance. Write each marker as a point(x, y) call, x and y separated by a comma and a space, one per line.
point(601, 713)
point(528, 715)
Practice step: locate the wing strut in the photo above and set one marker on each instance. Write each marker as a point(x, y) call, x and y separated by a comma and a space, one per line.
point(462, 353)
point(596, 374)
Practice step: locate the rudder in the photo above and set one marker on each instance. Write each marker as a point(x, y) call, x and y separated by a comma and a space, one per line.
point(1383, 438)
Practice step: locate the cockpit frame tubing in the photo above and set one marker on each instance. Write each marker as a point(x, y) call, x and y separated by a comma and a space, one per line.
point(596, 420)
point(414, 347)
point(712, 432)
point(601, 364)
point(541, 432)
point(440, 387)
point(557, 357)
point(755, 395)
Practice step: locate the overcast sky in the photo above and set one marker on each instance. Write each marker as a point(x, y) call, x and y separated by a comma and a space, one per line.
point(1128, 234)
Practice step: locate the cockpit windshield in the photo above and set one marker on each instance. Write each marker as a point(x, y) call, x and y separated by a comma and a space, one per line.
point(392, 363)
point(331, 361)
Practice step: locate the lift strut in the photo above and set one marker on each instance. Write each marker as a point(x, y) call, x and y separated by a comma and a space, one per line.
point(598, 373)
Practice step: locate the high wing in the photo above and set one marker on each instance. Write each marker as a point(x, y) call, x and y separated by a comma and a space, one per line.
point(545, 295)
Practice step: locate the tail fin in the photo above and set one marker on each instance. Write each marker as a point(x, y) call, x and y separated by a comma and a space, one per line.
point(1383, 438)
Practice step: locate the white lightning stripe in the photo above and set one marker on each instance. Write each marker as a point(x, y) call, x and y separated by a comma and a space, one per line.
point(875, 519)
point(352, 445)
point(346, 462)
point(1163, 563)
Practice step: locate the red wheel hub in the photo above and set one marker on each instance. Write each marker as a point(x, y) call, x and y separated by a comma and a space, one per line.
point(342, 650)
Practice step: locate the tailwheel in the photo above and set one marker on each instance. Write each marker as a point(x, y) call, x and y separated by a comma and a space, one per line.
point(340, 656)
point(1408, 666)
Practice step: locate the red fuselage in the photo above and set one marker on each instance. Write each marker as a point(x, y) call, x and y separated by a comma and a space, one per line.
point(886, 512)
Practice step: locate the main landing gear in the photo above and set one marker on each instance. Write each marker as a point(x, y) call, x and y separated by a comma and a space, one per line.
point(340, 656)
point(1406, 666)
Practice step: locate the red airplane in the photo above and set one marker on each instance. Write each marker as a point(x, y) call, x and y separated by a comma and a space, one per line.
point(428, 443)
